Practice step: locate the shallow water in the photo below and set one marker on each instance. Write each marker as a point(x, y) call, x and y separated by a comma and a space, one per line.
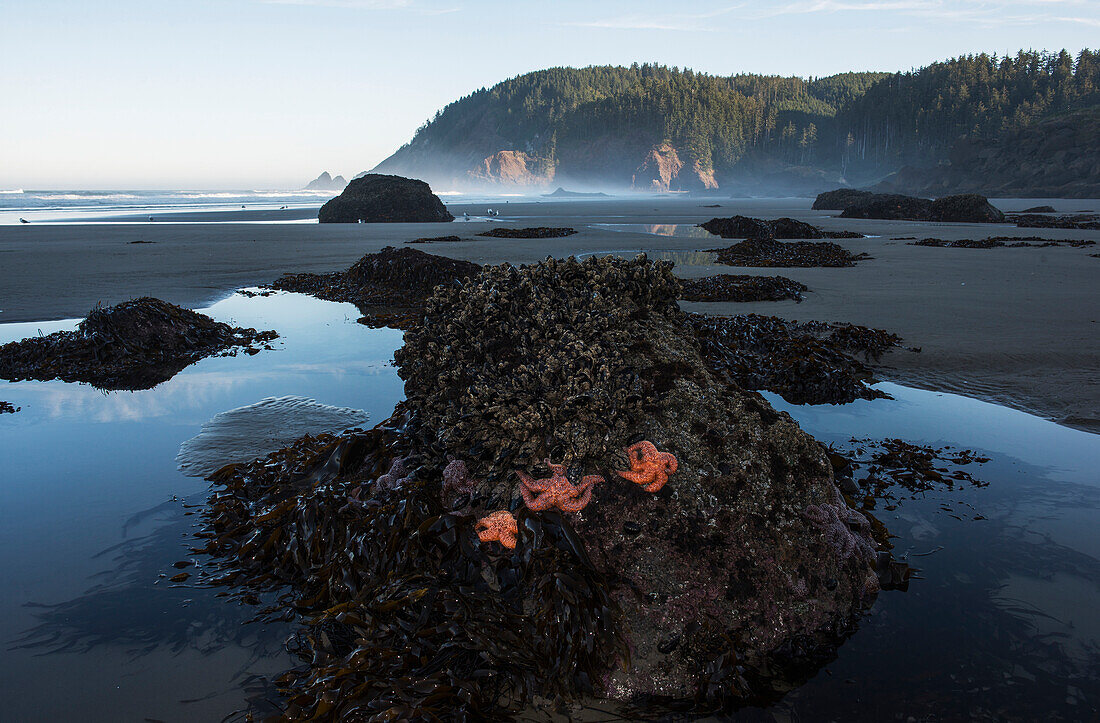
point(94, 512)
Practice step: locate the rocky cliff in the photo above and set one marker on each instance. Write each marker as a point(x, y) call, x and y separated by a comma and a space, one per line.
point(1055, 158)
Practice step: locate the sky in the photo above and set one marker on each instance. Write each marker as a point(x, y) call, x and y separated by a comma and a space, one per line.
point(265, 94)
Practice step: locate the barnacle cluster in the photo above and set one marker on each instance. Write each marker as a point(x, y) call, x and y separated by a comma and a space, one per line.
point(543, 361)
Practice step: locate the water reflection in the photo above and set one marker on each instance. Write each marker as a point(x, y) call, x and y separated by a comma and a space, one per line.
point(1002, 623)
point(678, 230)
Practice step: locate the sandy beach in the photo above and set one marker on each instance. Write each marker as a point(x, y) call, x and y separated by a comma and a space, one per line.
point(1016, 326)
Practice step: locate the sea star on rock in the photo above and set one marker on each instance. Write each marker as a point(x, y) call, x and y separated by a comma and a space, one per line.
point(500, 527)
point(457, 479)
point(648, 467)
point(556, 491)
point(846, 530)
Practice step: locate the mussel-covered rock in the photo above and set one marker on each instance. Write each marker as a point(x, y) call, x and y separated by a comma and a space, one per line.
point(379, 198)
point(532, 232)
point(741, 287)
point(390, 285)
point(133, 345)
point(758, 228)
point(726, 586)
point(772, 253)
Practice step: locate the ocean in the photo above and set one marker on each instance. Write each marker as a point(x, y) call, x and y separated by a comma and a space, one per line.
point(137, 206)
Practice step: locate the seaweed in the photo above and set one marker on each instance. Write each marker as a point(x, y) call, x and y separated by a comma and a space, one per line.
point(994, 242)
point(811, 363)
point(8, 408)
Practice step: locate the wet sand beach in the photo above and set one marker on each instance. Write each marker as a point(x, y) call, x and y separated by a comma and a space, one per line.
point(1015, 326)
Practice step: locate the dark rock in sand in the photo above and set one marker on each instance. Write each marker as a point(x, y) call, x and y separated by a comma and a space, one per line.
point(757, 228)
point(7, 408)
point(535, 232)
point(741, 287)
point(1040, 209)
point(769, 253)
point(890, 206)
point(965, 208)
point(134, 345)
point(839, 199)
point(392, 281)
point(435, 240)
point(1076, 222)
point(1002, 242)
point(377, 198)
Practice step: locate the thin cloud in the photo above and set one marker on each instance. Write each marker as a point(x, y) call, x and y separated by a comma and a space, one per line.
point(687, 22)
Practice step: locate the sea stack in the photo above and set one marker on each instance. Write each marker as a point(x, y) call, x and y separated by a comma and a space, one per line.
point(378, 198)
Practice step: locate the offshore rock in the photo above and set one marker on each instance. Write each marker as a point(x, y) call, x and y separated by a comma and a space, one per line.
point(377, 198)
point(965, 208)
point(839, 199)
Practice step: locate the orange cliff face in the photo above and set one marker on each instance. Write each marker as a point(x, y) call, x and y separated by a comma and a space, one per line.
point(662, 170)
point(512, 168)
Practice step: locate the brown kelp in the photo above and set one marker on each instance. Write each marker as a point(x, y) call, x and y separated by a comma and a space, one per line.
point(720, 587)
point(741, 287)
point(8, 408)
point(133, 345)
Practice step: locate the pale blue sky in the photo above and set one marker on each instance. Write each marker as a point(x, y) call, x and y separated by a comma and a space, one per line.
point(267, 93)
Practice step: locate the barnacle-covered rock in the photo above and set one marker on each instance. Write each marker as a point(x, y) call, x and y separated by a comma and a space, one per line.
point(578, 360)
point(726, 585)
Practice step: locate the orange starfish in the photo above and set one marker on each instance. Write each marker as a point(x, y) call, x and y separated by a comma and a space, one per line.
point(556, 491)
point(648, 467)
point(498, 527)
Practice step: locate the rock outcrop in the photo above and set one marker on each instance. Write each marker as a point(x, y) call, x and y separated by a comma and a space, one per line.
point(376, 198)
point(758, 228)
point(134, 345)
point(962, 208)
point(325, 182)
point(839, 199)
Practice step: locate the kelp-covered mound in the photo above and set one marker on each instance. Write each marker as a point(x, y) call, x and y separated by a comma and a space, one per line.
point(533, 232)
point(757, 228)
point(391, 284)
point(133, 345)
point(741, 287)
point(728, 585)
point(807, 363)
point(769, 253)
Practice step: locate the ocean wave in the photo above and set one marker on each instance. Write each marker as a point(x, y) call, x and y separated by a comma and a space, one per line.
point(83, 196)
point(14, 190)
